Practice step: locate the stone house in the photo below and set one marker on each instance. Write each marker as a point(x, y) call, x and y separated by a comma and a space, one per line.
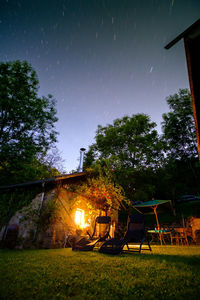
point(54, 215)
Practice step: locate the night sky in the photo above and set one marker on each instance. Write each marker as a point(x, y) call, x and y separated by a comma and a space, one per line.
point(100, 59)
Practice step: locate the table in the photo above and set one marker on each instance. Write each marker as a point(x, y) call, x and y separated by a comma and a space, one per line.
point(161, 234)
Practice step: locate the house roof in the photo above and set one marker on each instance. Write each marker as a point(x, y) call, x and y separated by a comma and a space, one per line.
point(61, 178)
point(191, 32)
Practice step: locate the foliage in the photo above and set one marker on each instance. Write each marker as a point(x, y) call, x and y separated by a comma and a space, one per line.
point(145, 164)
point(48, 214)
point(100, 190)
point(182, 170)
point(132, 149)
point(170, 272)
point(27, 129)
point(14, 200)
point(180, 178)
point(188, 209)
point(130, 141)
point(179, 128)
point(53, 162)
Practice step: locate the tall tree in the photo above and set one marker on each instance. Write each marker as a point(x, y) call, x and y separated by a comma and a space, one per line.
point(130, 146)
point(27, 121)
point(130, 141)
point(179, 128)
point(182, 168)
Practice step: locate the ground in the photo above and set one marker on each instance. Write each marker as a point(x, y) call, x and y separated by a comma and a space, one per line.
point(170, 272)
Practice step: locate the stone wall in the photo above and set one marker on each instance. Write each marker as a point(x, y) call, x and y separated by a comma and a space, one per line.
point(25, 220)
point(48, 220)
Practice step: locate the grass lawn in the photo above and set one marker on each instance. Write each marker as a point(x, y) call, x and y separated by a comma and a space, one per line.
point(171, 272)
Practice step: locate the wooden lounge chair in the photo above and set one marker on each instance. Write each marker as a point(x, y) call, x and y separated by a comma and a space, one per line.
point(133, 240)
point(84, 244)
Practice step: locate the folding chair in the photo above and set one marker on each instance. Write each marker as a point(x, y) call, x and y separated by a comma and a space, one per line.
point(135, 235)
point(84, 244)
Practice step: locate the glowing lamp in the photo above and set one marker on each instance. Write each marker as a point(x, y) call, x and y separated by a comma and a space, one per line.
point(79, 217)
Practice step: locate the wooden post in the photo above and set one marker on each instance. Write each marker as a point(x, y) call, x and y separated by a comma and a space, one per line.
point(192, 48)
point(158, 225)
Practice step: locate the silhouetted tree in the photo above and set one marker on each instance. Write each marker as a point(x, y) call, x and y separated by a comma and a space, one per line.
point(27, 128)
point(131, 147)
point(179, 128)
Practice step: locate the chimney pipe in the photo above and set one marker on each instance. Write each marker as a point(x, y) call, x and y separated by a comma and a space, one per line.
point(82, 150)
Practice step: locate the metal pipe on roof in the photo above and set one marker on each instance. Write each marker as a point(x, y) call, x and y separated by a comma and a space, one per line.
point(82, 150)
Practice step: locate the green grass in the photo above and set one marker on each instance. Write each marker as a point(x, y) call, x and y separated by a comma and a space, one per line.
point(171, 272)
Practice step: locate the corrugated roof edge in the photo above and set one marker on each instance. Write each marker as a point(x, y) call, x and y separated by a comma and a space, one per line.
point(48, 180)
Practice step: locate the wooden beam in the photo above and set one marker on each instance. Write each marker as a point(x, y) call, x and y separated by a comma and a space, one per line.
point(192, 50)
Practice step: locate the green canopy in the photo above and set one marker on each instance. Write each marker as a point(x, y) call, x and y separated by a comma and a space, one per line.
point(147, 207)
point(152, 203)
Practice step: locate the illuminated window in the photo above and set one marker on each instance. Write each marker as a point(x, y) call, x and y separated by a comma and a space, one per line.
point(79, 217)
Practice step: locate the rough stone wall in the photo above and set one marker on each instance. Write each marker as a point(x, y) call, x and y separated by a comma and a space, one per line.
point(45, 224)
point(33, 229)
point(61, 224)
point(25, 220)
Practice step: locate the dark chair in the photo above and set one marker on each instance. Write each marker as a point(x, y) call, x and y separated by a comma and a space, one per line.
point(135, 235)
point(180, 236)
point(84, 244)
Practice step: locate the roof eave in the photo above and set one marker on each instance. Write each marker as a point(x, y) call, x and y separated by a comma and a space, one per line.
point(40, 182)
point(187, 33)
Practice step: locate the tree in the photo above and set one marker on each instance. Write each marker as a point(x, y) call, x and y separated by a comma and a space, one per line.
point(129, 146)
point(182, 168)
point(130, 141)
point(179, 128)
point(27, 128)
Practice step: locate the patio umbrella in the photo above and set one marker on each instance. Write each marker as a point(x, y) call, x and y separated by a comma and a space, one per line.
point(151, 206)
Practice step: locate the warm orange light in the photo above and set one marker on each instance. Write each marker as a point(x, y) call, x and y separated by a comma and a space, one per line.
point(80, 217)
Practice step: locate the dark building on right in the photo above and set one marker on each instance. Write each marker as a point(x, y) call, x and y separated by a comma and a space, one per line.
point(191, 38)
